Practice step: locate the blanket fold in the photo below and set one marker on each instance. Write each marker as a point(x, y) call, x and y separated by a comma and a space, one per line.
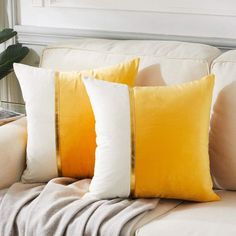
point(61, 208)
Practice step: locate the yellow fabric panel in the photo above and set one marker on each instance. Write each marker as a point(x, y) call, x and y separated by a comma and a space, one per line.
point(171, 141)
point(76, 124)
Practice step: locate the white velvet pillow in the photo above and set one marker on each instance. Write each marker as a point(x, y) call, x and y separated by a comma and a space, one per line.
point(111, 178)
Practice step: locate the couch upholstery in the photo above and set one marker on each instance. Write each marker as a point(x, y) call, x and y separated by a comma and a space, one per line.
point(167, 63)
point(211, 219)
point(13, 139)
point(187, 61)
point(223, 122)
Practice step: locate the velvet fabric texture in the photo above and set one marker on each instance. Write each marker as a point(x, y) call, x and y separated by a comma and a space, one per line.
point(161, 134)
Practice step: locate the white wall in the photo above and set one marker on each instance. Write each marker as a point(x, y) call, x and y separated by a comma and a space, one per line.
point(202, 18)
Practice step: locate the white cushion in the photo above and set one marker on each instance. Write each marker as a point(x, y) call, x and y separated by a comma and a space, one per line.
point(112, 114)
point(177, 61)
point(223, 122)
point(198, 219)
point(38, 90)
point(13, 137)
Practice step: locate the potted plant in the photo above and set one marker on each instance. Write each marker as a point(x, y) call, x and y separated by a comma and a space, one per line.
point(13, 53)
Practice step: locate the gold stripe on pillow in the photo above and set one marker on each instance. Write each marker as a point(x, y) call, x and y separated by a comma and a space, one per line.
point(57, 123)
point(132, 125)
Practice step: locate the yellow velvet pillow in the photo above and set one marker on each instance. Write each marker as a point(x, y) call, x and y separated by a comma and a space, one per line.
point(152, 141)
point(76, 125)
point(61, 129)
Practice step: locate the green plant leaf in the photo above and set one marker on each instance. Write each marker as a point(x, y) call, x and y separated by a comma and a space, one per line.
point(7, 34)
point(14, 53)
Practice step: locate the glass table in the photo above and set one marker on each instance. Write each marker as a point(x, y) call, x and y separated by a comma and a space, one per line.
point(16, 107)
point(10, 112)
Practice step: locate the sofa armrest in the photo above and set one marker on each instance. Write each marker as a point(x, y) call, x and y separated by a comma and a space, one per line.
point(13, 139)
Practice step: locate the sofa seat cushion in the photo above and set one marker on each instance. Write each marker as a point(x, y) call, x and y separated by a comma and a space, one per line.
point(208, 219)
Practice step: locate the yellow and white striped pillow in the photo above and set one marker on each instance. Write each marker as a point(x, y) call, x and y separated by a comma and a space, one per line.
point(61, 129)
point(152, 141)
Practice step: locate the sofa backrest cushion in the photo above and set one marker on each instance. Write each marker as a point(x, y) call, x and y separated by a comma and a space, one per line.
point(171, 62)
point(223, 122)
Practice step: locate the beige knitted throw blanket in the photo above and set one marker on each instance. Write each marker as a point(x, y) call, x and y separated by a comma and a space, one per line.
point(61, 208)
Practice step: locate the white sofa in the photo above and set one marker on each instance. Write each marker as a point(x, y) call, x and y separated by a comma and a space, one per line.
point(163, 63)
